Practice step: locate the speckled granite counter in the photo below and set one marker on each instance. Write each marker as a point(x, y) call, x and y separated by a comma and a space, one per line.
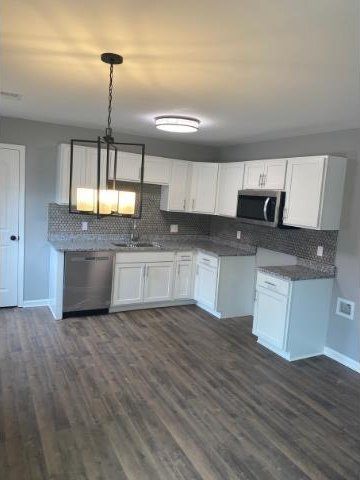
point(210, 247)
point(298, 272)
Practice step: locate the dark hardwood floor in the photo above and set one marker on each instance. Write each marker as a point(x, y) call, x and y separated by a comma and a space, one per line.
point(167, 394)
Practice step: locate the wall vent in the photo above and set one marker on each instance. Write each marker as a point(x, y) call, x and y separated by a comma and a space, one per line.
point(345, 308)
point(11, 95)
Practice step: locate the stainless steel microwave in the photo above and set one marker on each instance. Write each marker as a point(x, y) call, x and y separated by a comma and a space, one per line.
point(261, 207)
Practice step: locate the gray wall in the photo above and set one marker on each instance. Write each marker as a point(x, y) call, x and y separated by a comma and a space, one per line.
point(343, 335)
point(41, 141)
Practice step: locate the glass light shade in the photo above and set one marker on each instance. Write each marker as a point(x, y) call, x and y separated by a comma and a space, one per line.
point(85, 199)
point(108, 201)
point(126, 203)
point(177, 124)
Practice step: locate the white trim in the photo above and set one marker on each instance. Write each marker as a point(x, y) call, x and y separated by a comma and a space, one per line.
point(41, 302)
point(343, 359)
point(21, 228)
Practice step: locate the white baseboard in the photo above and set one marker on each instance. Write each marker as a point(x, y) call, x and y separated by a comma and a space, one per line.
point(41, 302)
point(343, 359)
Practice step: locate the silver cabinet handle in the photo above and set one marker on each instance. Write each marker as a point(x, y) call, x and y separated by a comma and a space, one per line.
point(184, 204)
point(259, 183)
point(264, 180)
point(193, 204)
point(270, 283)
point(266, 204)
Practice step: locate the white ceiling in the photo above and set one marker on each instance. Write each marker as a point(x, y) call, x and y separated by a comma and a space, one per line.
point(248, 69)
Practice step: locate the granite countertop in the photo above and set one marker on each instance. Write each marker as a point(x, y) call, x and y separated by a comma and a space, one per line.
point(213, 248)
point(297, 272)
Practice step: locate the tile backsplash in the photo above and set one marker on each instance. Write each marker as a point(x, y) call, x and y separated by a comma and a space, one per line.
point(153, 221)
point(298, 242)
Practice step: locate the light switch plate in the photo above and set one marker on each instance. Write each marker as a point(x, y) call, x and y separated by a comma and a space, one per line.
point(84, 226)
point(320, 251)
point(238, 234)
point(174, 228)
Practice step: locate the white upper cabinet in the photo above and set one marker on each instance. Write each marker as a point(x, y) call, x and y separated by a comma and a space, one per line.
point(230, 181)
point(174, 195)
point(275, 174)
point(203, 187)
point(128, 168)
point(157, 170)
point(84, 171)
point(253, 174)
point(265, 174)
point(314, 191)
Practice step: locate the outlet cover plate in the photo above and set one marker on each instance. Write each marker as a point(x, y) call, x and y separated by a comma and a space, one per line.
point(174, 228)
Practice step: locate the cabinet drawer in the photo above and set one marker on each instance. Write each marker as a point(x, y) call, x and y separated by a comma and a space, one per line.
point(208, 260)
point(184, 256)
point(273, 283)
point(128, 257)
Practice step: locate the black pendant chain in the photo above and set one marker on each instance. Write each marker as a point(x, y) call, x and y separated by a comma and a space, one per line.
point(108, 135)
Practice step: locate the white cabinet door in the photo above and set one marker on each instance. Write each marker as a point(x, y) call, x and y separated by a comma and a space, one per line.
point(158, 281)
point(253, 175)
point(128, 167)
point(183, 280)
point(157, 170)
point(174, 196)
point(206, 286)
point(128, 283)
point(275, 171)
point(270, 317)
point(304, 184)
point(84, 171)
point(230, 181)
point(203, 187)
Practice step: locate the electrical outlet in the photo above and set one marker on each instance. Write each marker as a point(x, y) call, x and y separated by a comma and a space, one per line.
point(84, 226)
point(174, 228)
point(320, 251)
point(238, 234)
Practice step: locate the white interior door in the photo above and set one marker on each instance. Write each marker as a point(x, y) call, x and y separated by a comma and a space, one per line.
point(9, 225)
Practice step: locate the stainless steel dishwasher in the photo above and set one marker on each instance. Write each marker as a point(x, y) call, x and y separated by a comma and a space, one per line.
point(87, 281)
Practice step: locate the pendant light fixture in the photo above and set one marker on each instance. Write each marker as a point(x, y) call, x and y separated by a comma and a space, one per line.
point(96, 187)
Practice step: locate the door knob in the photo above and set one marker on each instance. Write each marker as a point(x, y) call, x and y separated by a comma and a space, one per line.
point(14, 237)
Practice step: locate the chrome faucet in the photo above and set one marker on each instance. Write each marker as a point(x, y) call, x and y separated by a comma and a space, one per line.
point(134, 235)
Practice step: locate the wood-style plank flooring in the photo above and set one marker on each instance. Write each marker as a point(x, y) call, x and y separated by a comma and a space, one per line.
point(167, 394)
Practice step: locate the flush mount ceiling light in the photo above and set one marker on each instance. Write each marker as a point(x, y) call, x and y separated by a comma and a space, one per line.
point(95, 172)
point(176, 124)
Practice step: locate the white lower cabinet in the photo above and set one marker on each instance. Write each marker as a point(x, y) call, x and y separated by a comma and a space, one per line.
point(183, 281)
point(142, 277)
point(291, 317)
point(158, 281)
point(205, 286)
point(224, 286)
point(128, 283)
point(270, 314)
